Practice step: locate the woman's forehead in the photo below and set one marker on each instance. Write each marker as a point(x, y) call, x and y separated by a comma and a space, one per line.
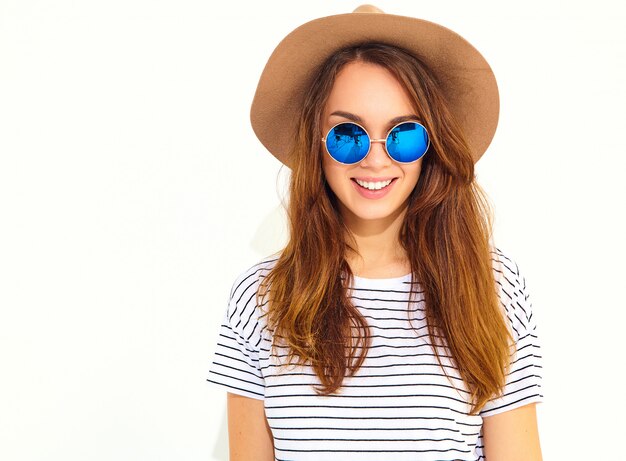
point(364, 92)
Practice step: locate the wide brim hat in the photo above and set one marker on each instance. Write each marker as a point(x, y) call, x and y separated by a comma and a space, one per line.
point(465, 77)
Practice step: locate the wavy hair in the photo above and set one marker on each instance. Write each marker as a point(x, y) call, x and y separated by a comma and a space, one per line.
point(446, 235)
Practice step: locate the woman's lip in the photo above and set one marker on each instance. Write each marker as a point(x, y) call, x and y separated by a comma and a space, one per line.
point(371, 179)
point(373, 194)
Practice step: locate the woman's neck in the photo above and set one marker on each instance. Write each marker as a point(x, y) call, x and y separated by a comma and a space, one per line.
point(380, 254)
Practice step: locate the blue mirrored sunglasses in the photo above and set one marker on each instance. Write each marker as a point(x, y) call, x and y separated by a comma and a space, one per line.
point(349, 143)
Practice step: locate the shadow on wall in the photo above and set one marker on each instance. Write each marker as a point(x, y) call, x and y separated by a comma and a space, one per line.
point(220, 451)
point(271, 235)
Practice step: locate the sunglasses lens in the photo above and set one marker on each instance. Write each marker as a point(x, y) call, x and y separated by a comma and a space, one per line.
point(347, 143)
point(407, 142)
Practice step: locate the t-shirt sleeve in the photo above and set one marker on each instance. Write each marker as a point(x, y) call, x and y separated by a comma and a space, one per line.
point(524, 380)
point(235, 366)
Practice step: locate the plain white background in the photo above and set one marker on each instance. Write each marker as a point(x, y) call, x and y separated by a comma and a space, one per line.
point(133, 191)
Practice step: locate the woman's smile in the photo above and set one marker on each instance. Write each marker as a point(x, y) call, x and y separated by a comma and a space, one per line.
point(374, 190)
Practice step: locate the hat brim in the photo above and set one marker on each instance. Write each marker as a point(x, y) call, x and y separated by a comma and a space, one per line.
point(465, 76)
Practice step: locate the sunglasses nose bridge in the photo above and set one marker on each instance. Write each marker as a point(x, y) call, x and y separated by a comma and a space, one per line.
point(384, 149)
point(381, 141)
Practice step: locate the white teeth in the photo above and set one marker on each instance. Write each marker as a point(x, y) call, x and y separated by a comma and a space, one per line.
point(373, 185)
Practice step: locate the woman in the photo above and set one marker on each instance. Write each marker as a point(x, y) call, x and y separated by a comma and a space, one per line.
point(389, 327)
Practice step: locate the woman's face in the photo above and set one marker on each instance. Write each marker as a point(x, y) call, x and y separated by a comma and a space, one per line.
point(371, 96)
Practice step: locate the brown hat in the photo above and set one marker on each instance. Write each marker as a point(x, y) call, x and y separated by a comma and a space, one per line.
point(465, 76)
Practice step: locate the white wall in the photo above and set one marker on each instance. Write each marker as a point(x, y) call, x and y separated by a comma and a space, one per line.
point(133, 191)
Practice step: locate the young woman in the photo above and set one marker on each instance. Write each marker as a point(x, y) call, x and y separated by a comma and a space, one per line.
point(389, 327)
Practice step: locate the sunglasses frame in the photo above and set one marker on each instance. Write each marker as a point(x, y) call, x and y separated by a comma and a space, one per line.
point(384, 141)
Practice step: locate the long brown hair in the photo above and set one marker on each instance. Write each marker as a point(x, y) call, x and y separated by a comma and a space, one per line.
point(445, 234)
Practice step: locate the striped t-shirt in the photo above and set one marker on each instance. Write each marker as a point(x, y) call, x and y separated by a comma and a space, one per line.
point(400, 405)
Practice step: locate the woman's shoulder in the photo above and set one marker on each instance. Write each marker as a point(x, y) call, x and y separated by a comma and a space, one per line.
point(513, 291)
point(252, 274)
point(504, 265)
point(248, 279)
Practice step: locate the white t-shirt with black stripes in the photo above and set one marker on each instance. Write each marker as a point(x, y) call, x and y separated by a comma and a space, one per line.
point(400, 405)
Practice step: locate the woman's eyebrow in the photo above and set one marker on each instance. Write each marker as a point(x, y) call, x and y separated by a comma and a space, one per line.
point(403, 118)
point(348, 115)
point(357, 119)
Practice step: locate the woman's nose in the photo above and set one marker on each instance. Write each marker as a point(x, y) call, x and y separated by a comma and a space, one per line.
point(377, 155)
